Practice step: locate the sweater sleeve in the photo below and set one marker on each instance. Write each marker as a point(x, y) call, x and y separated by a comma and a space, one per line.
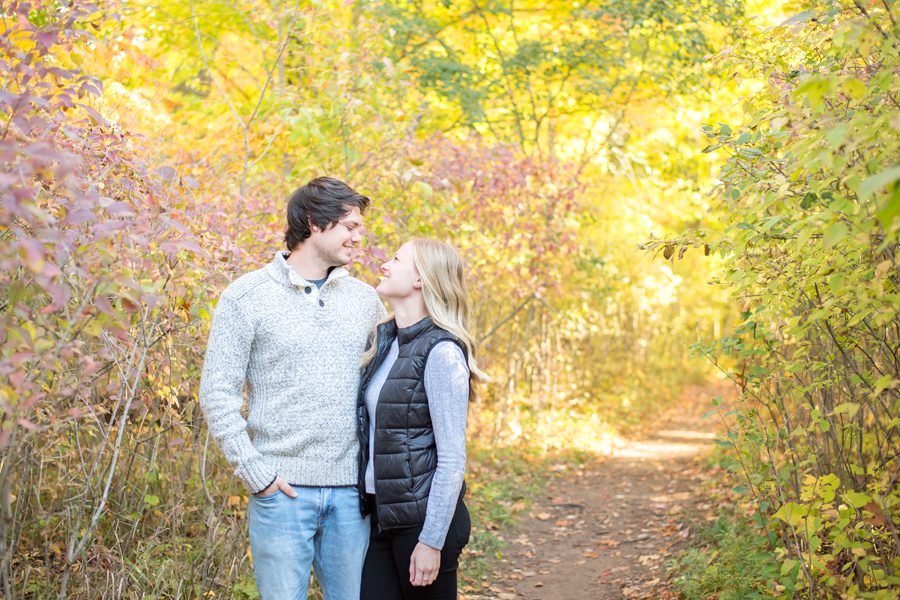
point(222, 393)
point(380, 310)
point(447, 388)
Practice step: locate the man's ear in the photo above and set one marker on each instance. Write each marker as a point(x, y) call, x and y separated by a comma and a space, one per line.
point(313, 227)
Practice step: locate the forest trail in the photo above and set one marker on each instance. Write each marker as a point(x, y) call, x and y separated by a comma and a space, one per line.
point(608, 529)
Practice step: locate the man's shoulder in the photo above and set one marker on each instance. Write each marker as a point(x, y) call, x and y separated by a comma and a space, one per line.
point(248, 284)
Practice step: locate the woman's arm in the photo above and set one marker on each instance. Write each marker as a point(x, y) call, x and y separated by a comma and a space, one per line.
point(447, 387)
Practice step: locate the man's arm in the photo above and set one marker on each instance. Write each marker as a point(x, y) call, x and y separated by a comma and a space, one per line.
point(222, 393)
point(380, 311)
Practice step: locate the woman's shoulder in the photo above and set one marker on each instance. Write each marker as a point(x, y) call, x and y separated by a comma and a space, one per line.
point(447, 352)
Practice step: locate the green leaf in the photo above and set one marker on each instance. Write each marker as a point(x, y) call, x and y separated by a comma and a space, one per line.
point(837, 135)
point(857, 499)
point(788, 566)
point(834, 234)
point(848, 408)
point(873, 183)
point(891, 209)
point(814, 89)
point(836, 282)
point(151, 500)
point(882, 383)
point(792, 513)
point(854, 88)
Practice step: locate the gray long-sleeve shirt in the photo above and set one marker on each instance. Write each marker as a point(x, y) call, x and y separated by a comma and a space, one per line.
point(447, 389)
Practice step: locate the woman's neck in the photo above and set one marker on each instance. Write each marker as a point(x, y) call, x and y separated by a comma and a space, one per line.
point(409, 311)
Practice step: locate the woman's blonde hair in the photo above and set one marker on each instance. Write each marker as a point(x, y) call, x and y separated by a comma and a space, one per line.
point(446, 296)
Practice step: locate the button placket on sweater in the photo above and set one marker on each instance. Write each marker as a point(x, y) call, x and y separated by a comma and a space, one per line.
point(310, 293)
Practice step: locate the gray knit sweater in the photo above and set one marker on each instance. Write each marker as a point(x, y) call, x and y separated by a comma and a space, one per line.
point(296, 348)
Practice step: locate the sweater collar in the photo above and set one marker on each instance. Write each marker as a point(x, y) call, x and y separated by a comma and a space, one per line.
point(284, 274)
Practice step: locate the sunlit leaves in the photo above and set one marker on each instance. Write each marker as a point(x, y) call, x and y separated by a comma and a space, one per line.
point(810, 196)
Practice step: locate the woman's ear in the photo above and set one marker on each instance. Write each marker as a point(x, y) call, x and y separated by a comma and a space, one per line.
point(417, 284)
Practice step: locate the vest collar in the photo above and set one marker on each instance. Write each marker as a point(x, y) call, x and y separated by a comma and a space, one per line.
point(407, 334)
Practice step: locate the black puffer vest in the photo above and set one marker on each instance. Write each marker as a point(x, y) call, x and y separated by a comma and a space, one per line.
point(405, 452)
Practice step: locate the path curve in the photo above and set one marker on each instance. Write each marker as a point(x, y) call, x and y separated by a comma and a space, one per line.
point(608, 529)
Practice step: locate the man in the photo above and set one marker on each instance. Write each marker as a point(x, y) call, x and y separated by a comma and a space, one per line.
point(294, 332)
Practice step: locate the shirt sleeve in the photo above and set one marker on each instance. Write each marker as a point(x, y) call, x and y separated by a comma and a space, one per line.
point(222, 393)
point(447, 389)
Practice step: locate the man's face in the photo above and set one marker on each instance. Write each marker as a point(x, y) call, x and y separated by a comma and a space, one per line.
point(335, 244)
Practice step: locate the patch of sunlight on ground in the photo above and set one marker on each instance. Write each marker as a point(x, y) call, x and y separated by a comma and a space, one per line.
point(668, 498)
point(687, 435)
point(659, 449)
point(565, 430)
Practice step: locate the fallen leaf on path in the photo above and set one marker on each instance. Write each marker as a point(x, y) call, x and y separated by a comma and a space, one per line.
point(543, 516)
point(610, 543)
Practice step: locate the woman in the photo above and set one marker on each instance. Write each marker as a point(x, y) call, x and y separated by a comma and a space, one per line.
point(412, 423)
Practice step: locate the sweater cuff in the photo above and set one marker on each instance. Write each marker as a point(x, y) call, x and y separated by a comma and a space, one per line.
point(431, 539)
point(257, 476)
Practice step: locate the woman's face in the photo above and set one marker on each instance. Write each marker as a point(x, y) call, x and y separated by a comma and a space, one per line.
point(400, 278)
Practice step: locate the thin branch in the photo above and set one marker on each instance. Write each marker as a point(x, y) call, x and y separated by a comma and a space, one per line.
point(209, 70)
point(505, 320)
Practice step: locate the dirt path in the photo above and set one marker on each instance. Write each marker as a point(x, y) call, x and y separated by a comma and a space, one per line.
point(608, 530)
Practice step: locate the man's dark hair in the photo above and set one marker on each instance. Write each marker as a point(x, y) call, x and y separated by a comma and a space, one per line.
point(322, 202)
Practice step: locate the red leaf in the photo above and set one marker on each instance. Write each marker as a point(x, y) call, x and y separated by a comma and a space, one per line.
point(102, 303)
point(26, 424)
point(96, 118)
point(17, 379)
point(34, 253)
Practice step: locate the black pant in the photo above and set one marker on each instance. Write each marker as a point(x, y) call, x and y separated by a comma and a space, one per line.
point(386, 571)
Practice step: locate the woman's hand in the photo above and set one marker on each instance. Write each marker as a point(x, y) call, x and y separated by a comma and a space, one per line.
point(424, 565)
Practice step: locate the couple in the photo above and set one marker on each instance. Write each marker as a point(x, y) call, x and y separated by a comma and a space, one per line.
point(354, 443)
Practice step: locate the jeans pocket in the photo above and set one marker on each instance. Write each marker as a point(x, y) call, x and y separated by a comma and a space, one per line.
point(269, 498)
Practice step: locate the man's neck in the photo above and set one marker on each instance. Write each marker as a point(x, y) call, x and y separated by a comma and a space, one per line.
point(308, 264)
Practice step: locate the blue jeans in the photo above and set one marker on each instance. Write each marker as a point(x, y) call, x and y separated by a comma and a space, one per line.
point(322, 527)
